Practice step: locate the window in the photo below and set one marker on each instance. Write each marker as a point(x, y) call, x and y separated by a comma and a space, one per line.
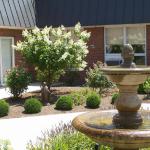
point(136, 37)
point(6, 56)
point(114, 40)
point(116, 37)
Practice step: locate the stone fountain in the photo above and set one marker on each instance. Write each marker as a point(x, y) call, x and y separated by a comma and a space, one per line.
point(127, 128)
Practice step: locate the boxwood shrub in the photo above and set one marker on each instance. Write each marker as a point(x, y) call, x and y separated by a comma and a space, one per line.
point(32, 105)
point(93, 100)
point(64, 103)
point(4, 108)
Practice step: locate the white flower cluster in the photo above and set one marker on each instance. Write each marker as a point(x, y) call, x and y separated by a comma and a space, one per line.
point(56, 45)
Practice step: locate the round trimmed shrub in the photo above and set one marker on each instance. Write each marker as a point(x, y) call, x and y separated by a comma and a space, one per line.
point(32, 105)
point(93, 100)
point(114, 98)
point(64, 103)
point(4, 108)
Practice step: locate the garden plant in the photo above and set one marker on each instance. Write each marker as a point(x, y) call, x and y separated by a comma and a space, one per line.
point(17, 81)
point(54, 50)
point(96, 78)
point(93, 100)
point(32, 105)
point(146, 87)
point(64, 103)
point(4, 108)
point(64, 137)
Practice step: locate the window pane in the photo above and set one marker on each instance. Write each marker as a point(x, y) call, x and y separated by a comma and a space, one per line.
point(136, 35)
point(138, 48)
point(114, 36)
point(139, 60)
point(114, 48)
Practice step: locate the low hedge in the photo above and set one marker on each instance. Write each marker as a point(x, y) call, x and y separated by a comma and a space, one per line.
point(32, 105)
point(93, 100)
point(64, 103)
point(4, 108)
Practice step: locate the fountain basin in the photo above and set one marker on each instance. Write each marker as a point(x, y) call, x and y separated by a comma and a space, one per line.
point(127, 76)
point(99, 127)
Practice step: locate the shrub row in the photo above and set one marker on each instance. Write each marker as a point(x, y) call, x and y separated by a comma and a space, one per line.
point(32, 105)
point(66, 102)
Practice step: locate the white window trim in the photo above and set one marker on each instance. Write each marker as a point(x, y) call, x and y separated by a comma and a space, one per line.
point(125, 39)
point(13, 56)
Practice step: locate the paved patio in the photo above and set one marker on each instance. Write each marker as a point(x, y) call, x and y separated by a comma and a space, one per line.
point(21, 130)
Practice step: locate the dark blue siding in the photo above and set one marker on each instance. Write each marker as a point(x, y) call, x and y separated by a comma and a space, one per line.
point(91, 12)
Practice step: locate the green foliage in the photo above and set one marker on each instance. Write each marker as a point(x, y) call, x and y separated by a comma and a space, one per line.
point(141, 89)
point(17, 81)
point(114, 98)
point(64, 103)
point(42, 76)
point(4, 108)
point(146, 87)
point(93, 100)
point(54, 50)
point(64, 138)
point(78, 98)
point(32, 105)
point(96, 78)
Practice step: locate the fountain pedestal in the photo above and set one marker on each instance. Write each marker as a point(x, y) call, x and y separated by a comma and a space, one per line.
point(128, 116)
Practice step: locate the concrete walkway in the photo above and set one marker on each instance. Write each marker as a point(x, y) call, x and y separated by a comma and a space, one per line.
point(4, 92)
point(21, 130)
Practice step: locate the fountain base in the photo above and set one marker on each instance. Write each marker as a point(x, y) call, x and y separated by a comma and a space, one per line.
point(127, 120)
point(99, 127)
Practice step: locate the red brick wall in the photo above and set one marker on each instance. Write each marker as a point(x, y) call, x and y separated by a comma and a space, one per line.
point(96, 49)
point(96, 52)
point(17, 34)
point(148, 43)
point(96, 45)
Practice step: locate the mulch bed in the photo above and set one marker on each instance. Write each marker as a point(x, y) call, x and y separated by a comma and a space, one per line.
point(17, 109)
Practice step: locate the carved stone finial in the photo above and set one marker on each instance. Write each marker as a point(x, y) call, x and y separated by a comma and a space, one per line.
point(128, 57)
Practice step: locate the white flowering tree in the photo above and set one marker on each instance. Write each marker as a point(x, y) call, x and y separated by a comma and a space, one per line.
point(54, 50)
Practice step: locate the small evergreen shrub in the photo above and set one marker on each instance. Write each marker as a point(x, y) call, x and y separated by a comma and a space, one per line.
point(93, 100)
point(114, 98)
point(64, 103)
point(32, 105)
point(17, 81)
point(4, 108)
